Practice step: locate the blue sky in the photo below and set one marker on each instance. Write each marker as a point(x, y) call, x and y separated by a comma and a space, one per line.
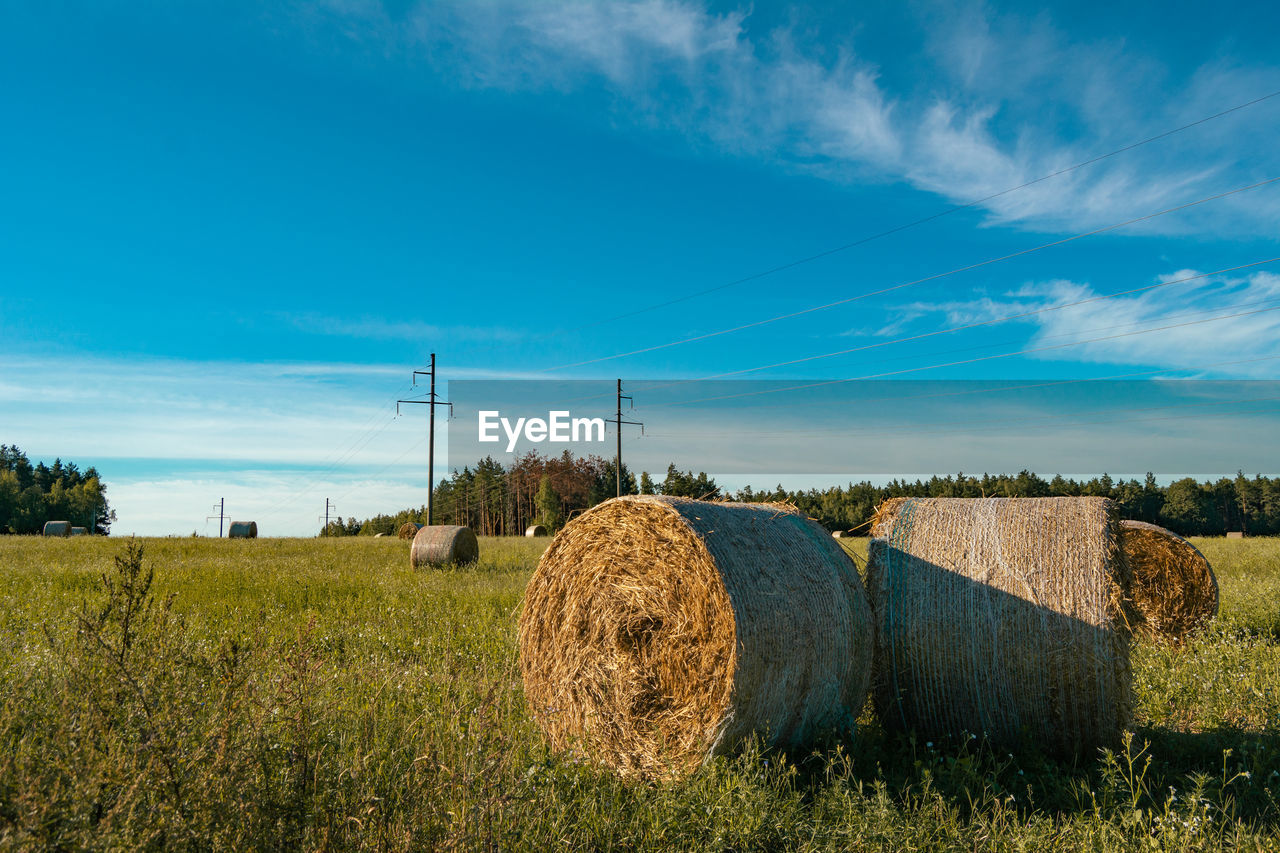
point(228, 232)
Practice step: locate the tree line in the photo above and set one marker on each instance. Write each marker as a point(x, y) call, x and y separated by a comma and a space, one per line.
point(30, 495)
point(498, 500)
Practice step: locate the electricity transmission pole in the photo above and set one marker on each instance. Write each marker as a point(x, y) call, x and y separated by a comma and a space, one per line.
point(327, 506)
point(221, 507)
point(431, 430)
point(618, 422)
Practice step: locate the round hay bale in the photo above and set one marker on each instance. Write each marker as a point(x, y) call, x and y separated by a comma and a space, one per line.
point(1002, 617)
point(380, 535)
point(535, 530)
point(57, 528)
point(838, 534)
point(1174, 590)
point(408, 530)
point(243, 530)
point(79, 531)
point(658, 632)
point(441, 544)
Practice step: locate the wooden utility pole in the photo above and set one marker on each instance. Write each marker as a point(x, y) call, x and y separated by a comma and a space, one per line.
point(618, 422)
point(431, 431)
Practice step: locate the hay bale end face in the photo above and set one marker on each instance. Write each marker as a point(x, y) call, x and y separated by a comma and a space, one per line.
point(443, 544)
point(658, 632)
point(1174, 590)
point(408, 530)
point(243, 530)
point(1002, 617)
point(535, 530)
point(57, 528)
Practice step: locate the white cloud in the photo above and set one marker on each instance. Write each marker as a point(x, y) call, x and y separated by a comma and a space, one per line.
point(1189, 308)
point(1005, 99)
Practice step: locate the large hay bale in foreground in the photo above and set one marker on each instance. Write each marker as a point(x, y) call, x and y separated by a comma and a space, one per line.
point(57, 528)
point(535, 530)
point(408, 530)
point(1174, 590)
point(1002, 617)
point(442, 544)
point(243, 530)
point(658, 632)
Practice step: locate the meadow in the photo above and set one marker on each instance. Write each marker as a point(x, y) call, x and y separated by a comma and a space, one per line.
point(300, 694)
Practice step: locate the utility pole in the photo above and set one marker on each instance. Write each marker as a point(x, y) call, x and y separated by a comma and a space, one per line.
point(618, 422)
point(221, 507)
point(431, 430)
point(327, 507)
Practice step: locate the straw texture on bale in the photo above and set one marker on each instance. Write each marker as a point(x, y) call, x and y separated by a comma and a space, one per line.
point(408, 530)
point(57, 528)
point(658, 632)
point(535, 530)
point(441, 544)
point(1002, 617)
point(1174, 590)
point(243, 530)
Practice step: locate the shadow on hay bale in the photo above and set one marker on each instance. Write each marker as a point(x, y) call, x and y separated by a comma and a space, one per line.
point(1174, 589)
point(1002, 617)
point(408, 530)
point(443, 544)
point(535, 530)
point(243, 530)
point(658, 632)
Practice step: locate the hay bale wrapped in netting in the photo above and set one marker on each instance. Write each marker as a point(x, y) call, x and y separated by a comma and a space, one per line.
point(57, 528)
point(658, 632)
point(441, 544)
point(243, 530)
point(535, 530)
point(1003, 617)
point(1174, 590)
point(408, 530)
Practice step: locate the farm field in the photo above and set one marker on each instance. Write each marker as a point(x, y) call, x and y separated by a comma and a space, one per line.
point(318, 694)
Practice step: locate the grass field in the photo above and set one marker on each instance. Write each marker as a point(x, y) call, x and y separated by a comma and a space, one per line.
point(317, 694)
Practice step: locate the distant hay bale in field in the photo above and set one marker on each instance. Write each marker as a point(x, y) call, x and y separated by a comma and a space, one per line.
point(79, 531)
point(535, 530)
point(441, 544)
point(408, 530)
point(57, 528)
point(380, 535)
point(1002, 617)
point(243, 530)
point(1235, 534)
point(838, 534)
point(1174, 590)
point(658, 632)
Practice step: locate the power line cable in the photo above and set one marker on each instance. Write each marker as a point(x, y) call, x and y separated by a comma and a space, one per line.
point(960, 362)
point(966, 327)
point(934, 277)
point(917, 222)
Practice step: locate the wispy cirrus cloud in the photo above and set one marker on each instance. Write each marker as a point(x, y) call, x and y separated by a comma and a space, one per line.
point(999, 100)
point(1196, 322)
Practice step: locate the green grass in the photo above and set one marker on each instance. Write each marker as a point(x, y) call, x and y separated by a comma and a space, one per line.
point(317, 694)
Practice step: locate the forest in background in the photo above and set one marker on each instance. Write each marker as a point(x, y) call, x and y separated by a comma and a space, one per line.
point(30, 495)
point(498, 500)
